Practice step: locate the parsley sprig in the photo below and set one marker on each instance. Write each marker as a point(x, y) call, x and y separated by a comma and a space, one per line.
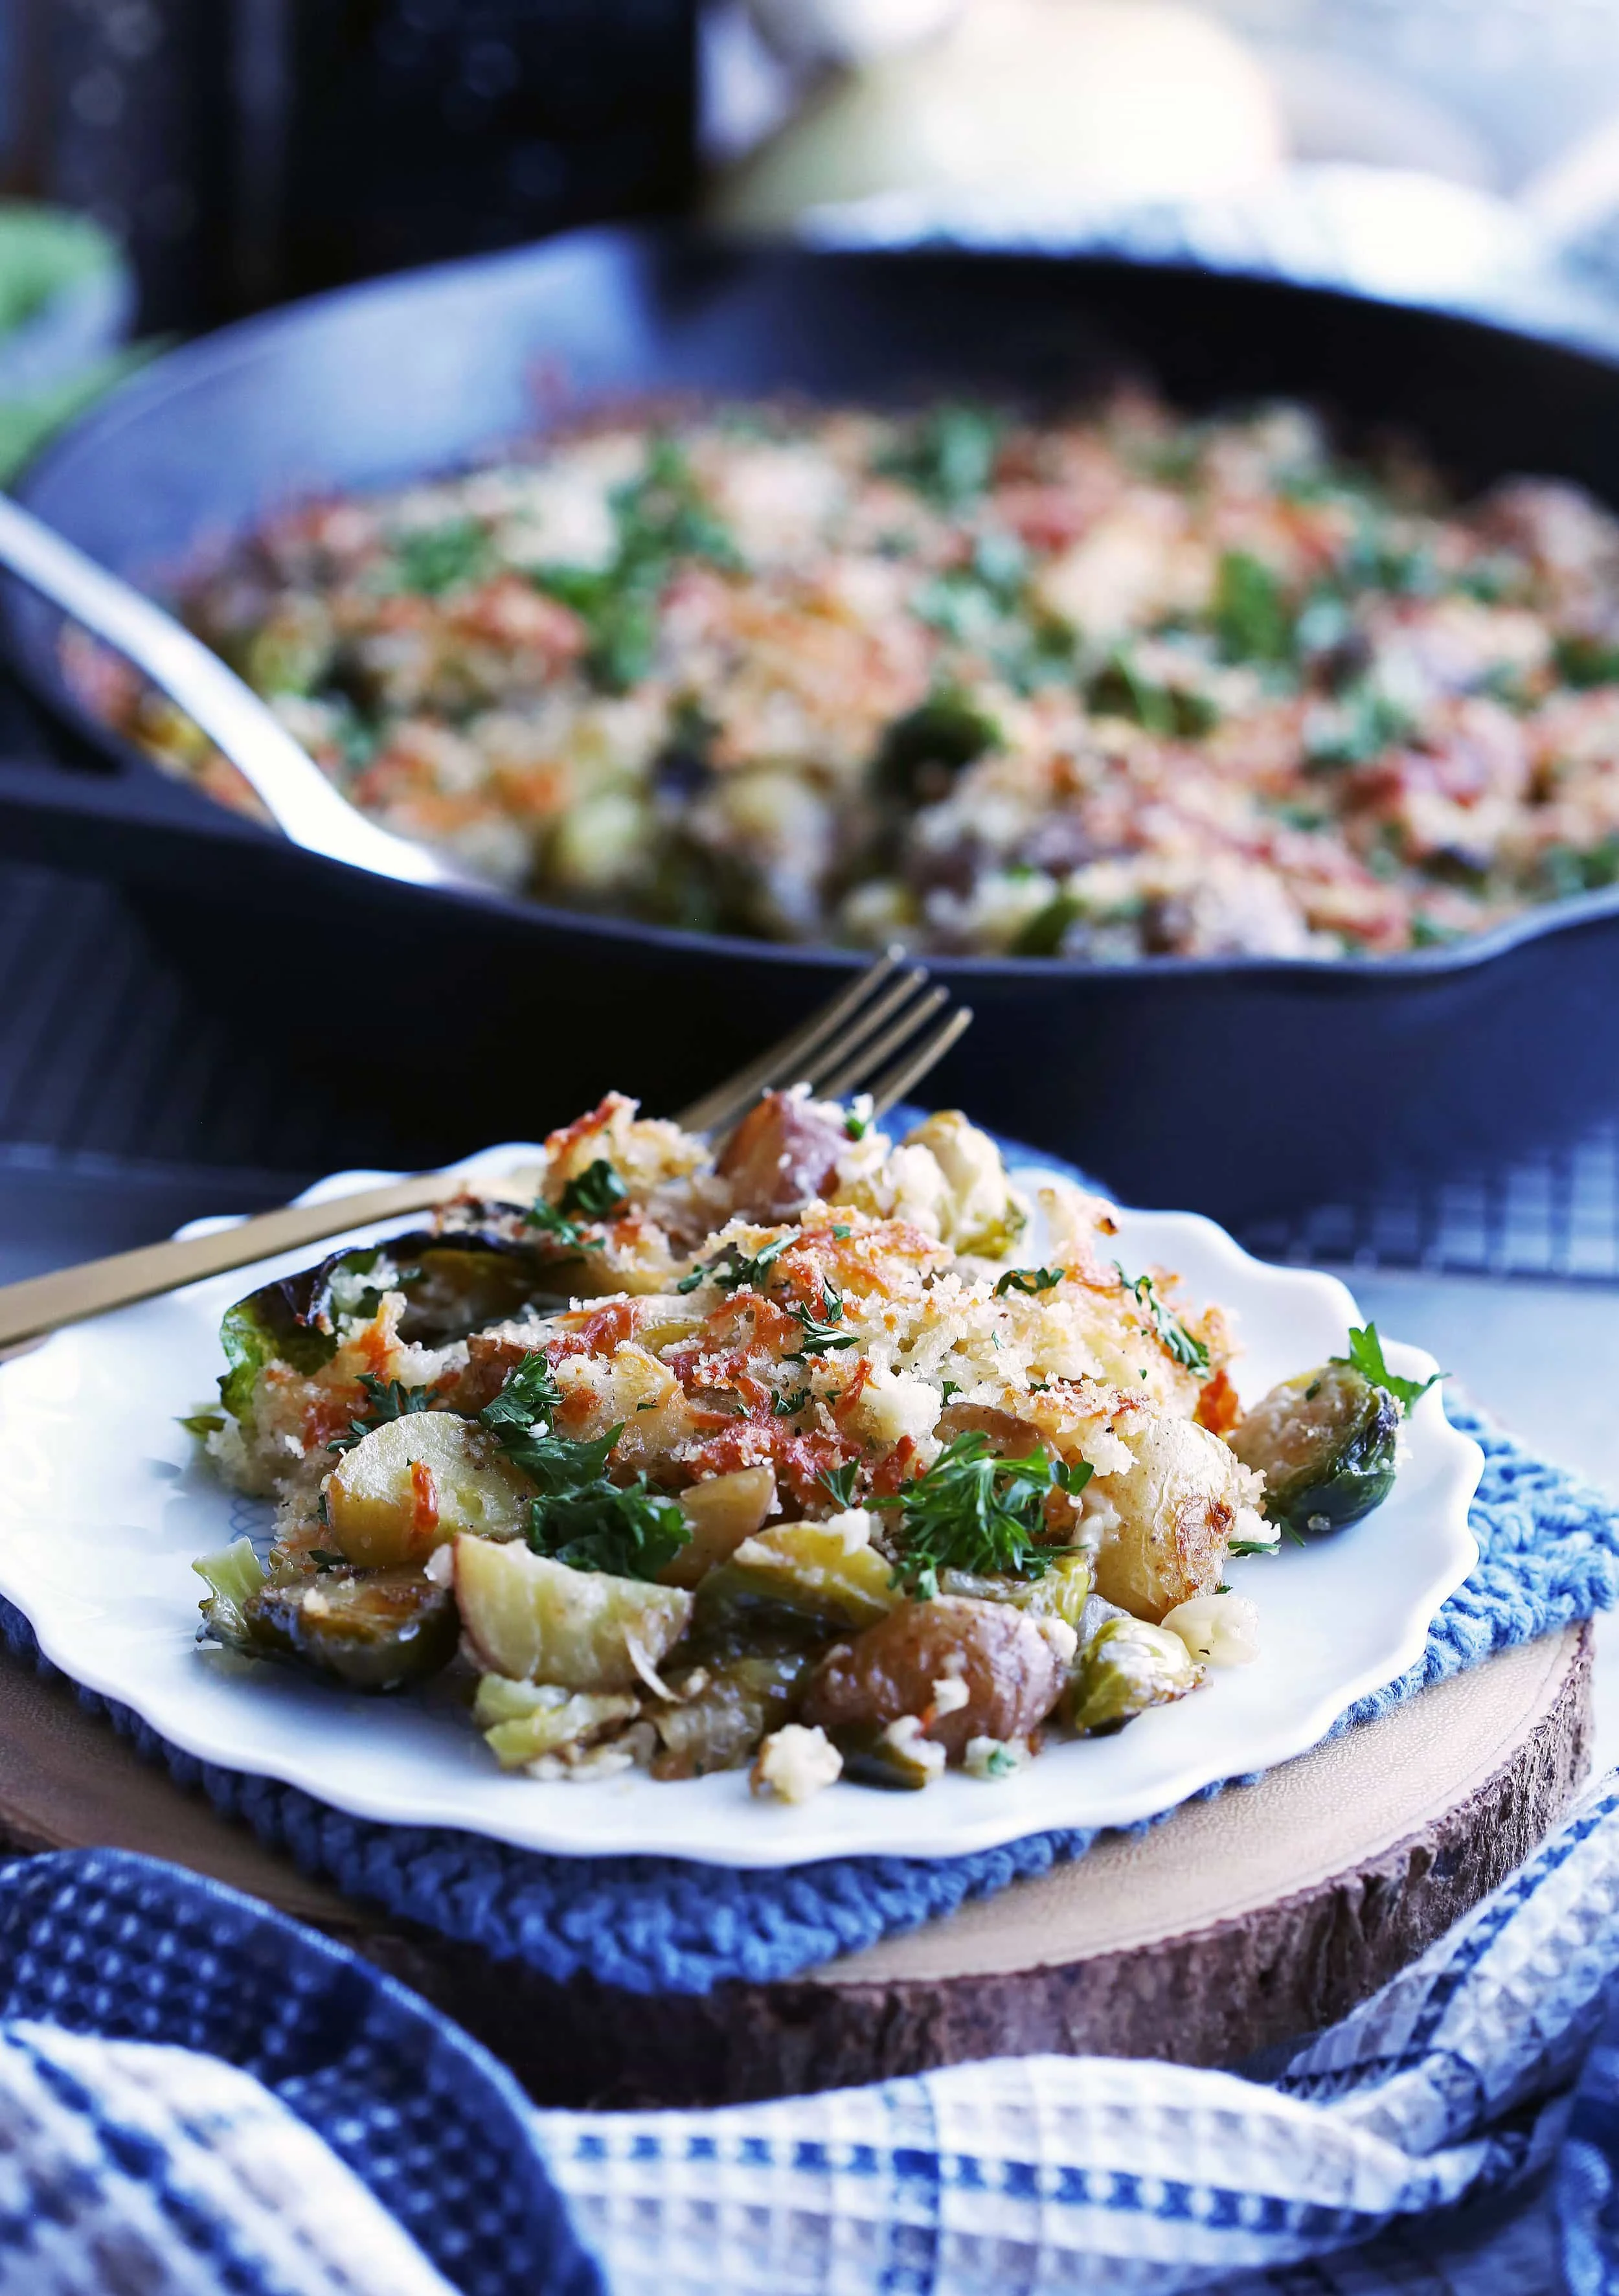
point(975, 1512)
point(1365, 1357)
point(597, 1192)
point(821, 1335)
point(733, 1269)
point(580, 1517)
point(1030, 1280)
point(389, 1399)
point(1172, 1335)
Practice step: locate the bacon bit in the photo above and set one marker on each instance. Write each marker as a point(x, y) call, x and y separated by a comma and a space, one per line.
point(852, 1393)
point(424, 1498)
point(799, 1460)
point(559, 1144)
point(1218, 1408)
point(894, 1471)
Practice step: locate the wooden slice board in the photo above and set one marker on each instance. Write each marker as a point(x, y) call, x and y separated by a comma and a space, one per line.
point(1237, 1924)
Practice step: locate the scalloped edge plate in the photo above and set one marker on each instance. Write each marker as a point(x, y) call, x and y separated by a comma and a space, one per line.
point(104, 1506)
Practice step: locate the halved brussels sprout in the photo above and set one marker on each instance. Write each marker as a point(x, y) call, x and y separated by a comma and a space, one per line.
point(1061, 1593)
point(1325, 1443)
point(371, 1629)
point(811, 1573)
point(1127, 1665)
point(453, 1284)
point(718, 1727)
point(522, 1720)
point(536, 1620)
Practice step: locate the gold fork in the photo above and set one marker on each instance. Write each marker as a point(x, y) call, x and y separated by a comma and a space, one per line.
point(884, 1031)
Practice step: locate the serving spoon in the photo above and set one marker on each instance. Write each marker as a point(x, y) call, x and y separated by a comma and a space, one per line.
point(292, 788)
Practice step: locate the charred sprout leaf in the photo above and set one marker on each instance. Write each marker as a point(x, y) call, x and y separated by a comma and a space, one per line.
point(1365, 1357)
point(371, 1629)
point(800, 1579)
point(1327, 1443)
point(233, 1576)
point(977, 1513)
point(1189, 1353)
point(1126, 1667)
point(1030, 1280)
point(597, 1192)
point(873, 1755)
point(523, 1720)
point(389, 1399)
point(203, 1423)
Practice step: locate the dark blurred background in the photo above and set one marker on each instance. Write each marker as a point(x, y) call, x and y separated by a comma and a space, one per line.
point(245, 151)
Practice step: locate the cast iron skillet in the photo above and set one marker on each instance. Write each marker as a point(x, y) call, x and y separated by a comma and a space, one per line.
point(1246, 1087)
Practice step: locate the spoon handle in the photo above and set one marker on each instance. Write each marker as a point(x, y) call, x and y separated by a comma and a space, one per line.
point(296, 793)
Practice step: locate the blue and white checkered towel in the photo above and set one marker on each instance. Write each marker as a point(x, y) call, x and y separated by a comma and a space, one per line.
point(195, 2094)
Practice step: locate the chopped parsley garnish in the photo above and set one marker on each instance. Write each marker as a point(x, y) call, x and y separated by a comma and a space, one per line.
point(1365, 1357)
point(1000, 1764)
point(580, 1517)
point(822, 1338)
point(661, 519)
point(948, 456)
point(733, 1269)
point(1173, 1337)
point(839, 1482)
point(389, 1399)
point(855, 1127)
point(1251, 1547)
point(323, 1559)
point(1121, 689)
point(974, 1511)
point(788, 1406)
point(597, 1192)
point(434, 559)
point(840, 1234)
point(1251, 617)
point(951, 1386)
point(1029, 1280)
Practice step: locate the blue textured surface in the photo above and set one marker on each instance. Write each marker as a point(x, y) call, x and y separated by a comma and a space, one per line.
point(1548, 1553)
point(102, 1942)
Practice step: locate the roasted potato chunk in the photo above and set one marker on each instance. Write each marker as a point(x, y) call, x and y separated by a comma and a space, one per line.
point(780, 1155)
point(415, 1483)
point(536, 1620)
point(721, 1512)
point(1166, 1522)
point(977, 1669)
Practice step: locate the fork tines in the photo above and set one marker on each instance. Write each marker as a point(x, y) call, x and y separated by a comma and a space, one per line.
point(883, 1016)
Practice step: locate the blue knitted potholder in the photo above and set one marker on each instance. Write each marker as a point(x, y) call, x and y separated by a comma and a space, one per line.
point(1548, 1553)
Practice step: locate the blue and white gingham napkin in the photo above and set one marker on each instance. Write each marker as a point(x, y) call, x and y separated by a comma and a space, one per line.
point(195, 2086)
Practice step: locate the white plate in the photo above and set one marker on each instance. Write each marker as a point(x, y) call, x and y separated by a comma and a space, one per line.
point(102, 1507)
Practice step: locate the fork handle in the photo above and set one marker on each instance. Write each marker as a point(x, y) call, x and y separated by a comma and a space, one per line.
point(29, 1309)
